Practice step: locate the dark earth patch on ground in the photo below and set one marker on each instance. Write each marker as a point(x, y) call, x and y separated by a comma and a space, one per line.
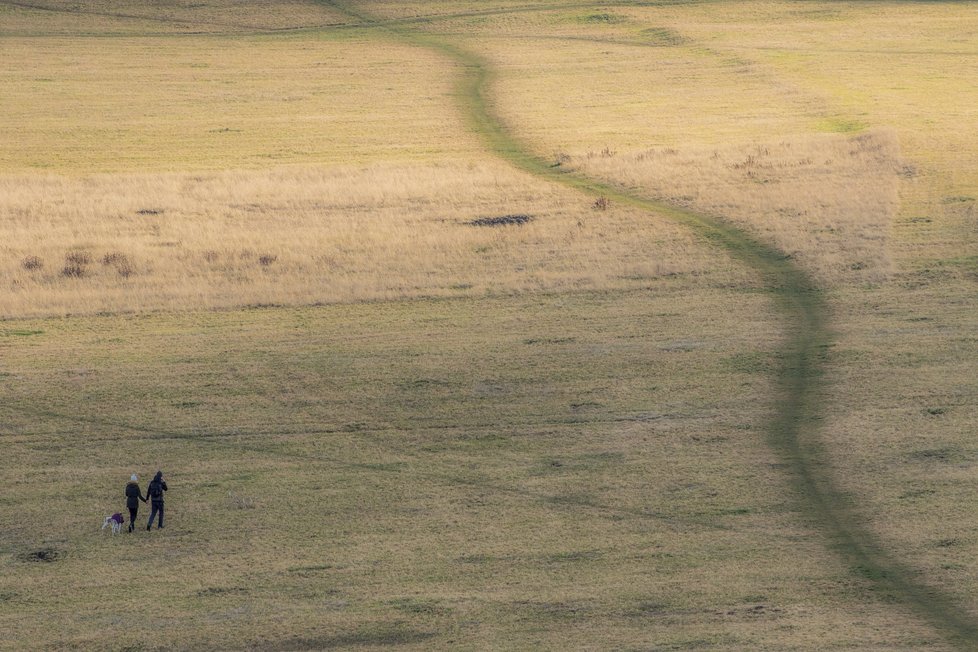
point(502, 220)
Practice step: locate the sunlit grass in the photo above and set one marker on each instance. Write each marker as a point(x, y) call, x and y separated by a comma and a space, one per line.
point(142, 17)
point(827, 202)
point(84, 105)
point(306, 235)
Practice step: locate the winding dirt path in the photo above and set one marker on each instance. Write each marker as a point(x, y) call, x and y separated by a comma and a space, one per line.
point(793, 431)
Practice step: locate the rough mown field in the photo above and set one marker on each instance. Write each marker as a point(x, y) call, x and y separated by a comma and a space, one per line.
point(572, 453)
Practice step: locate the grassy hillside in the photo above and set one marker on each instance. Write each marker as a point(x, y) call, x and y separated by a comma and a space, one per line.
point(438, 434)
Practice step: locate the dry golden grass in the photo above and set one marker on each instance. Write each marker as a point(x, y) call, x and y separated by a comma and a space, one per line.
point(141, 17)
point(309, 235)
point(730, 77)
point(694, 127)
point(85, 104)
point(197, 240)
point(604, 89)
point(910, 69)
point(827, 201)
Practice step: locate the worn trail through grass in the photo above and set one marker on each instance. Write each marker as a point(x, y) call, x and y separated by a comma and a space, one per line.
point(793, 431)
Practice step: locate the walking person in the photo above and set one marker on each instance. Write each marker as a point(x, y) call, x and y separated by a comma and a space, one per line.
point(133, 496)
point(155, 494)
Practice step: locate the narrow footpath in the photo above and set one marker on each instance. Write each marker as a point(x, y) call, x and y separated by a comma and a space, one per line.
point(793, 431)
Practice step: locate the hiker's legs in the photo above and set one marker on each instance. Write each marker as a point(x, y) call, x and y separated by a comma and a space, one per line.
point(152, 515)
point(161, 515)
point(132, 517)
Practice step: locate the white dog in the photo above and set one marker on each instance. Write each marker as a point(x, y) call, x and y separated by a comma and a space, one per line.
point(115, 521)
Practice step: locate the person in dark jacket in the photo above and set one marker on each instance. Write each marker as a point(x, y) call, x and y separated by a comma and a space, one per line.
point(133, 496)
point(155, 494)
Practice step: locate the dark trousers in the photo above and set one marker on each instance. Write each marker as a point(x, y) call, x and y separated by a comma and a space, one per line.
point(132, 517)
point(157, 507)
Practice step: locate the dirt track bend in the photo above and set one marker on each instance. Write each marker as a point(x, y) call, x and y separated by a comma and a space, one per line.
point(792, 432)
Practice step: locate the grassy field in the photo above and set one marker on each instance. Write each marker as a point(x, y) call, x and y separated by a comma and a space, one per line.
point(386, 424)
point(444, 474)
point(203, 104)
point(303, 235)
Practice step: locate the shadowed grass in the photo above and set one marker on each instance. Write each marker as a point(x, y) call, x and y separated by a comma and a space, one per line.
point(464, 467)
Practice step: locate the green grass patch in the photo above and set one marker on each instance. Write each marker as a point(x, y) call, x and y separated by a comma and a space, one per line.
point(662, 36)
point(20, 332)
point(840, 125)
point(601, 18)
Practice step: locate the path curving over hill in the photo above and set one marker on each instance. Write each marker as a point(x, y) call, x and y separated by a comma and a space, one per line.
point(793, 432)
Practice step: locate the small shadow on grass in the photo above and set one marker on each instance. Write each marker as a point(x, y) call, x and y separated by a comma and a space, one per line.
point(379, 635)
point(220, 591)
point(550, 611)
point(501, 220)
point(947, 455)
point(419, 606)
point(44, 555)
point(574, 556)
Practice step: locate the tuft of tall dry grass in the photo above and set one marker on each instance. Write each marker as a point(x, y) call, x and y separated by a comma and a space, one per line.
point(308, 235)
point(826, 200)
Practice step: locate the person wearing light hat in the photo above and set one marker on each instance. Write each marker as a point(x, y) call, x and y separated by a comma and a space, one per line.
point(133, 496)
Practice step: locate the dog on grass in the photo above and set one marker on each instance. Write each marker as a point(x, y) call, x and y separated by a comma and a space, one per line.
point(115, 521)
